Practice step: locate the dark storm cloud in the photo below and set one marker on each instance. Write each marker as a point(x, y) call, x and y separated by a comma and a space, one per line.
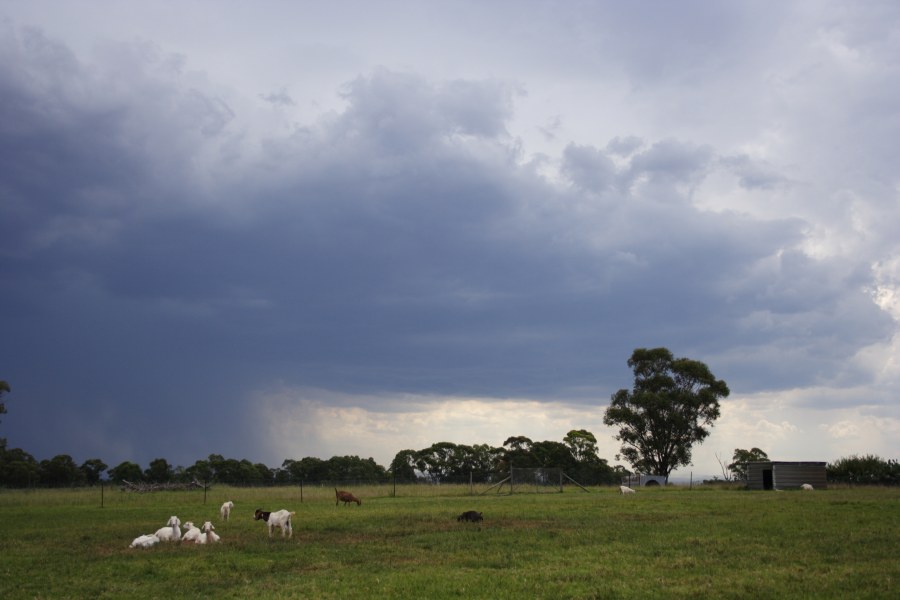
point(161, 262)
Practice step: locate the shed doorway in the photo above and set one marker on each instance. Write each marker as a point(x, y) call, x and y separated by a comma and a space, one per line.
point(767, 479)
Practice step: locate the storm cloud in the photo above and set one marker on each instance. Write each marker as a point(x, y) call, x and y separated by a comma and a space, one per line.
point(388, 242)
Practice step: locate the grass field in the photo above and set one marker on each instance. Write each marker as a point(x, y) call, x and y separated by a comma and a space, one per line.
point(663, 543)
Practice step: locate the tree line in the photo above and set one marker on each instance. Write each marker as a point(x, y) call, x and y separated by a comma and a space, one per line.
point(443, 462)
point(447, 462)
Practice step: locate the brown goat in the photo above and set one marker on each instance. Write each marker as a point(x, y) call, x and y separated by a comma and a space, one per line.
point(345, 497)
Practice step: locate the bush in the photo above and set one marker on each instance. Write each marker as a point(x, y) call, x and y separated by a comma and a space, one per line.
point(864, 470)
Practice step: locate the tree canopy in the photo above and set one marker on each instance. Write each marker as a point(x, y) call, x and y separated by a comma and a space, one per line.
point(741, 457)
point(672, 403)
point(450, 462)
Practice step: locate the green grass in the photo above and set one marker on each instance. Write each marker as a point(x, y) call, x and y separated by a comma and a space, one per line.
point(665, 543)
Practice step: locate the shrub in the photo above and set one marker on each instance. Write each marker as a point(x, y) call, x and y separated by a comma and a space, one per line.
point(867, 470)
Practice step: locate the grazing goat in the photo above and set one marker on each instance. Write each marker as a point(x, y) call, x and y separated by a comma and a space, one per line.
point(207, 537)
point(148, 540)
point(191, 534)
point(261, 514)
point(225, 511)
point(345, 497)
point(171, 532)
point(281, 518)
point(624, 489)
point(470, 515)
point(806, 487)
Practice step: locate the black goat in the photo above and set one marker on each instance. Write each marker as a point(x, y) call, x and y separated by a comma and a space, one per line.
point(470, 515)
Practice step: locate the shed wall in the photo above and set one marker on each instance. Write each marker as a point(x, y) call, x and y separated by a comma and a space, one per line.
point(755, 475)
point(791, 476)
point(786, 475)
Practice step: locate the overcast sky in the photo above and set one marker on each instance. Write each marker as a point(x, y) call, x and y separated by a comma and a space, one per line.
point(273, 230)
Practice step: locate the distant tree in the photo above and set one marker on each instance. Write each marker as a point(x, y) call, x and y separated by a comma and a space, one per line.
point(264, 474)
point(159, 471)
point(92, 469)
point(282, 476)
point(517, 453)
point(246, 473)
point(439, 462)
point(484, 461)
point(61, 471)
point(354, 468)
point(740, 458)
point(589, 468)
point(180, 475)
point(667, 411)
point(126, 471)
point(552, 454)
point(868, 469)
point(220, 471)
point(621, 472)
point(18, 468)
point(201, 470)
point(583, 445)
point(308, 468)
point(446, 461)
point(403, 467)
point(225, 470)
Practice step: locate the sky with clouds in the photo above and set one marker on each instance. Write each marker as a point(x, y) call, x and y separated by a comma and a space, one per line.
point(272, 230)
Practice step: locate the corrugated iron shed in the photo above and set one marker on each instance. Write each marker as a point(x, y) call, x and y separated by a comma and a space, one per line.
point(786, 475)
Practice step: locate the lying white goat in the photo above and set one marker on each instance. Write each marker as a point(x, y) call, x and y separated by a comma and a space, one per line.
point(148, 540)
point(282, 519)
point(807, 487)
point(171, 532)
point(207, 537)
point(192, 533)
point(226, 509)
point(624, 489)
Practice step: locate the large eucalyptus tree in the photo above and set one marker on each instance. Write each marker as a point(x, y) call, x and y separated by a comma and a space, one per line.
point(671, 406)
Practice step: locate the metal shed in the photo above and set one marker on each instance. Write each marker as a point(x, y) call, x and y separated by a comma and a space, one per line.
point(785, 475)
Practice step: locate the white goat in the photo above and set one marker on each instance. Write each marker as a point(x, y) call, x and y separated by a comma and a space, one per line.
point(624, 489)
point(171, 532)
point(806, 487)
point(225, 511)
point(281, 518)
point(192, 533)
point(148, 540)
point(207, 537)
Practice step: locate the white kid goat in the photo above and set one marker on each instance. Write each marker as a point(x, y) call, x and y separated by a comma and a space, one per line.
point(171, 532)
point(192, 533)
point(207, 537)
point(282, 519)
point(226, 510)
point(624, 489)
point(148, 540)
